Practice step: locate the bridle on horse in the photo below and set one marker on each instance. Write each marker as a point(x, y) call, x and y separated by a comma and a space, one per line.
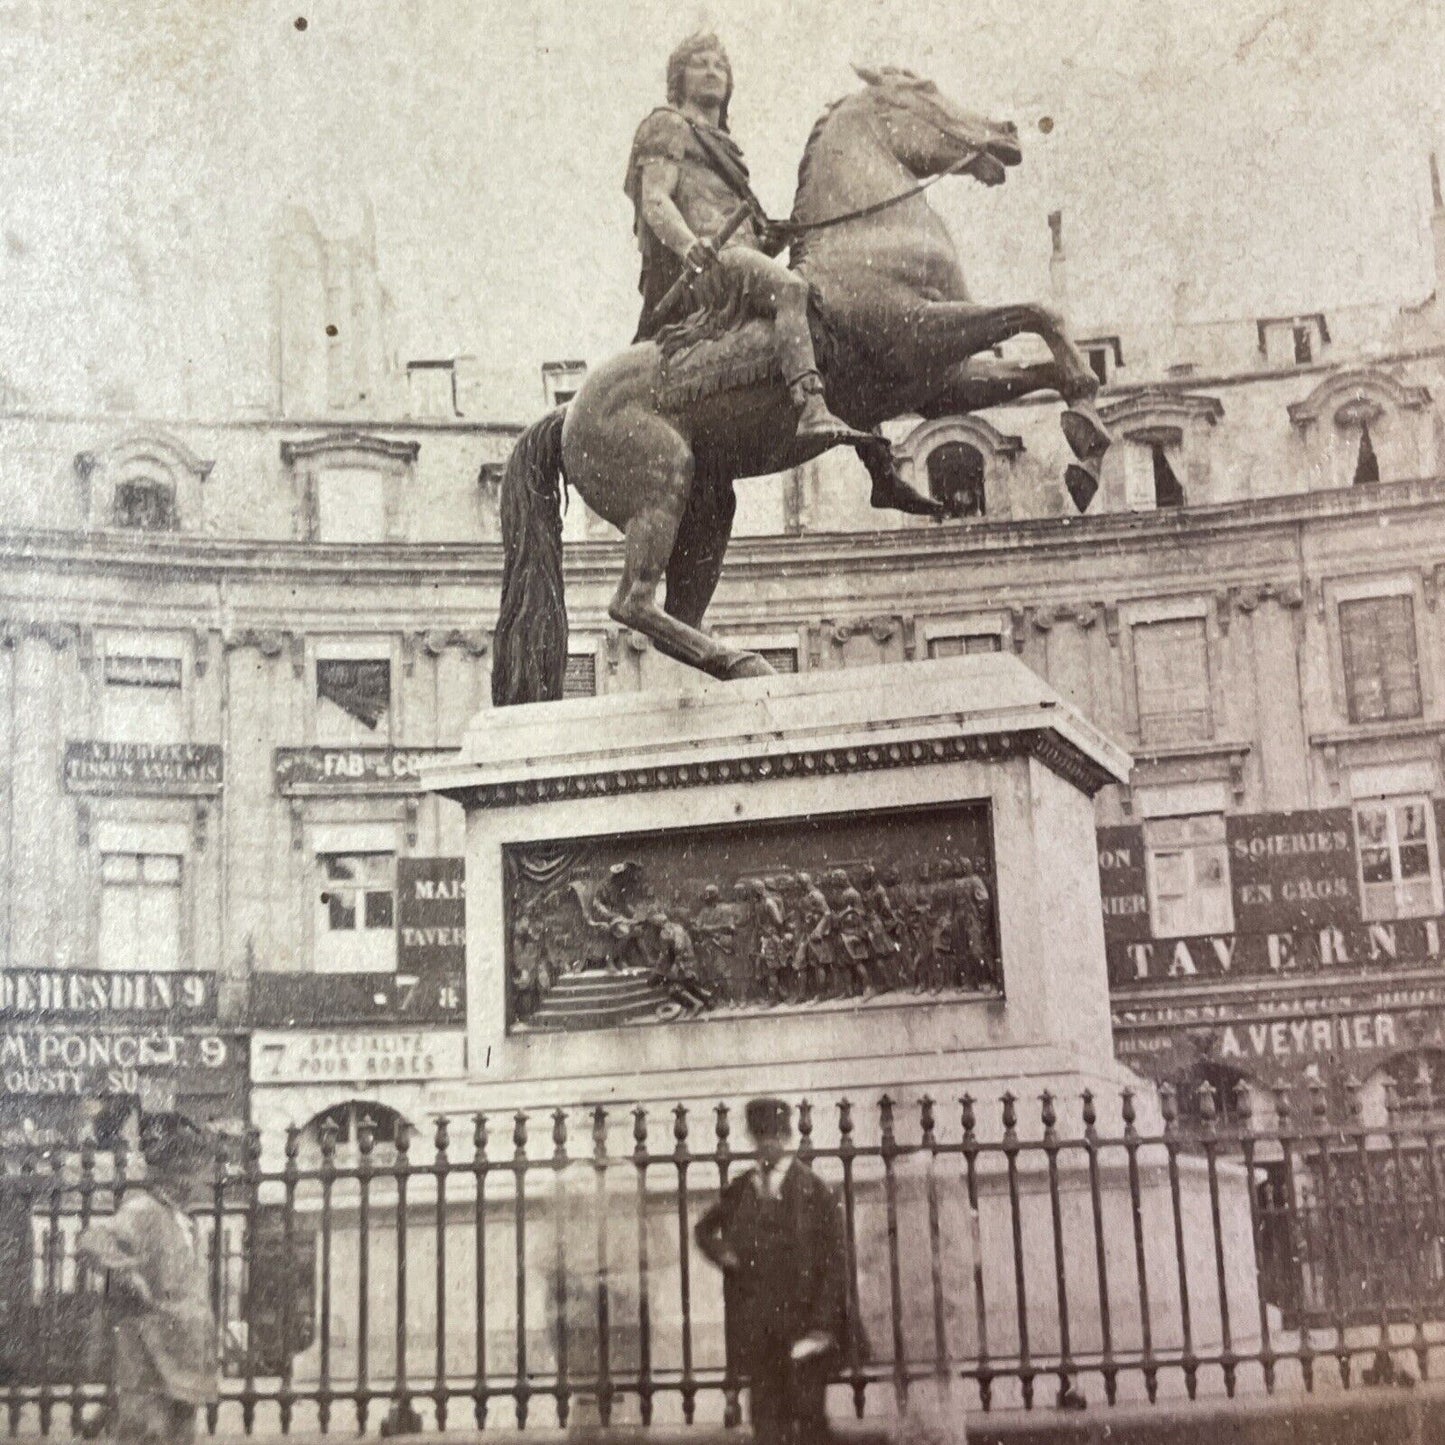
point(794, 229)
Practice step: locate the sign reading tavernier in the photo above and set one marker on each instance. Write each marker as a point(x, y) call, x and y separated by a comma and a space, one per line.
point(669, 925)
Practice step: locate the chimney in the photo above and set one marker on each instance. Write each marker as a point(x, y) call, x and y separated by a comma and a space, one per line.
point(1437, 227)
point(1058, 263)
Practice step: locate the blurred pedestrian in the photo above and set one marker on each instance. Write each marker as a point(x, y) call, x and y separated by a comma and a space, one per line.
point(164, 1357)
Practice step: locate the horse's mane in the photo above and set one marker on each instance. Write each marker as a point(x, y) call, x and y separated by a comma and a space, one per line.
point(819, 126)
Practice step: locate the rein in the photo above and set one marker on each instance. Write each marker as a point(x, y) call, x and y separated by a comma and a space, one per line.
point(794, 229)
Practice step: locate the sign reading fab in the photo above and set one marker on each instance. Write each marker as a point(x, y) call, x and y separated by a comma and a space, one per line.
point(319, 770)
point(358, 1058)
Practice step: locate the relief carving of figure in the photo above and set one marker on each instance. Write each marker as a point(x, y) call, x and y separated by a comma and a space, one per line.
point(760, 939)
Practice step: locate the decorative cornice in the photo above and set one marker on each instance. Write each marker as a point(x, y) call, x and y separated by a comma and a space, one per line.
point(812, 554)
point(171, 454)
point(269, 642)
point(475, 642)
point(1155, 408)
point(977, 431)
point(350, 441)
point(881, 627)
point(1357, 393)
point(1055, 752)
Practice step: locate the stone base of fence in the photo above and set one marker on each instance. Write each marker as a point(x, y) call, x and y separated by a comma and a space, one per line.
point(1362, 1416)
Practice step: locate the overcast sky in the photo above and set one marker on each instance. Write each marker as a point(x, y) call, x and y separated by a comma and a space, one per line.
point(1220, 159)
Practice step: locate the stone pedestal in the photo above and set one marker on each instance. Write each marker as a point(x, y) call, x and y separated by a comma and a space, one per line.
point(967, 781)
point(976, 736)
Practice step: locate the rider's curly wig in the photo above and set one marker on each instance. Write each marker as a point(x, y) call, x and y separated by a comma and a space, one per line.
point(698, 44)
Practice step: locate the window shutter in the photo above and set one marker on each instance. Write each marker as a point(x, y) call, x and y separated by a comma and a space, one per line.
point(1171, 670)
point(1382, 678)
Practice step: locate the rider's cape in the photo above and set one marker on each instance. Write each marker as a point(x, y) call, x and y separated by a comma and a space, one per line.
point(712, 178)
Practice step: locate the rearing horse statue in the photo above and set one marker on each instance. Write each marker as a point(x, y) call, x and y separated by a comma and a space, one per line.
point(657, 435)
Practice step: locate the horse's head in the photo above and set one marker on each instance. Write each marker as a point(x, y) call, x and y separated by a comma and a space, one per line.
point(930, 133)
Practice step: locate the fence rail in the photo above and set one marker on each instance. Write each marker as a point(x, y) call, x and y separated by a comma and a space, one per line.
point(519, 1269)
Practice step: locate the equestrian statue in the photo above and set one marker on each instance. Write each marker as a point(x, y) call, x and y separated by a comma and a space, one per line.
point(743, 367)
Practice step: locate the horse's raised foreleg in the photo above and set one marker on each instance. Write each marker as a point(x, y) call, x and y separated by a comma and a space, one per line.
point(983, 382)
point(650, 538)
point(948, 332)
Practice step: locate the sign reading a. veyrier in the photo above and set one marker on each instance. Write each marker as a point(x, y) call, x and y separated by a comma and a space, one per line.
point(1123, 890)
point(77, 993)
point(395, 770)
point(431, 924)
point(101, 767)
point(1292, 870)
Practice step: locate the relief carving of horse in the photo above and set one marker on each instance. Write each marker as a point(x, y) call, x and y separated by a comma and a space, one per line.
point(657, 435)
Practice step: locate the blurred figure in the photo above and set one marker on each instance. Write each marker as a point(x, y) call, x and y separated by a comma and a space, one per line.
point(163, 1326)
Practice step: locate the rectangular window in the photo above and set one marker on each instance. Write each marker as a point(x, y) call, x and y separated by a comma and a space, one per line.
point(350, 505)
point(780, 659)
point(1171, 677)
point(353, 701)
point(580, 678)
point(1399, 872)
point(140, 912)
point(1382, 676)
point(356, 913)
point(1304, 351)
point(963, 644)
point(143, 693)
point(1188, 868)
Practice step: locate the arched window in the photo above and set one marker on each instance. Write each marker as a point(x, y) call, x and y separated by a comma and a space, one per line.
point(1164, 452)
point(1367, 464)
point(144, 504)
point(1363, 425)
point(955, 478)
point(348, 1121)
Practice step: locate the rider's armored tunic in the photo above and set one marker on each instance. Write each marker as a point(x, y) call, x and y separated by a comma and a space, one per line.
point(712, 180)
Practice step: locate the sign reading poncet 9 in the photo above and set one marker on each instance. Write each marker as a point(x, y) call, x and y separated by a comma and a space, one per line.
point(364, 1057)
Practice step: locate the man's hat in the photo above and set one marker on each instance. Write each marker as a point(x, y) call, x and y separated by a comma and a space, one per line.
point(769, 1118)
point(169, 1140)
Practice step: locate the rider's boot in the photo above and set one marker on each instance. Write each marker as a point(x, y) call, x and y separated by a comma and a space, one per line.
point(815, 422)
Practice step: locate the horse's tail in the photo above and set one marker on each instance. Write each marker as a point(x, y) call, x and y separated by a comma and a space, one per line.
point(529, 652)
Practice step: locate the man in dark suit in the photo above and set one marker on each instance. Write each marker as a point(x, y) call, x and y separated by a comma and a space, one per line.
point(776, 1232)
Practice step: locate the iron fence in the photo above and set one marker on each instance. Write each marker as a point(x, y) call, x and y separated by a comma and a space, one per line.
point(528, 1267)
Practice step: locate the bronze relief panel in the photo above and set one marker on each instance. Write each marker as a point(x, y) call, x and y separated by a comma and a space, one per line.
point(665, 926)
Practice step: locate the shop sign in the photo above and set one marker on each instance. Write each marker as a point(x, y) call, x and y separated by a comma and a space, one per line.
point(184, 768)
point(328, 770)
point(1123, 891)
point(76, 993)
point(373, 1056)
point(310, 1000)
point(82, 1063)
point(431, 925)
point(1292, 870)
point(1401, 944)
point(125, 671)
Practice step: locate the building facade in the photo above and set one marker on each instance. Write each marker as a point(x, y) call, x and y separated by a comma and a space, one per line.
point(226, 648)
